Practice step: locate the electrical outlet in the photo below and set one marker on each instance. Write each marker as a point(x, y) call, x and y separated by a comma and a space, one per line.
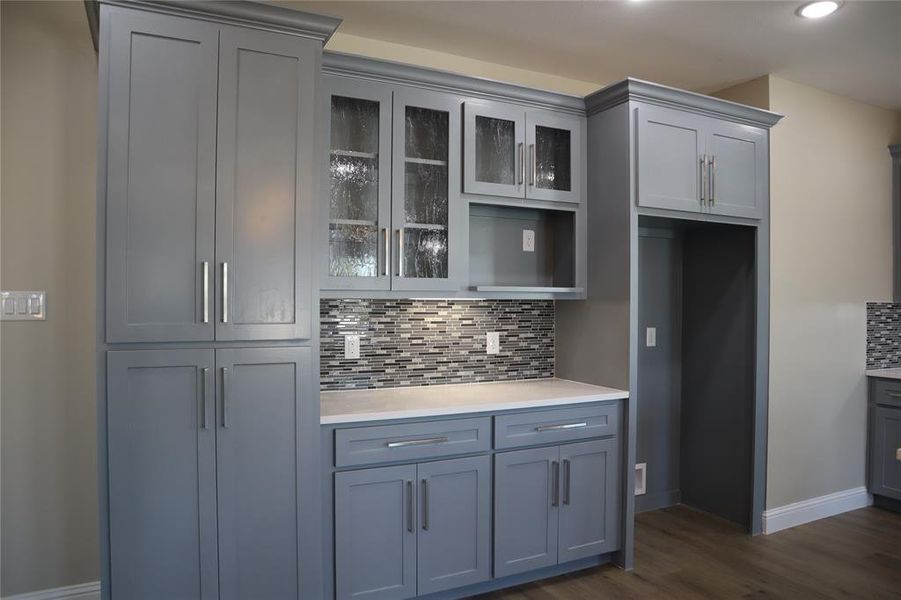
point(641, 479)
point(528, 240)
point(352, 346)
point(493, 342)
point(651, 337)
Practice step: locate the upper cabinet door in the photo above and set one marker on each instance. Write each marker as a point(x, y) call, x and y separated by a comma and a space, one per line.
point(589, 499)
point(426, 208)
point(160, 178)
point(493, 149)
point(261, 396)
point(454, 539)
point(162, 475)
point(670, 153)
point(358, 196)
point(737, 169)
point(267, 183)
point(554, 156)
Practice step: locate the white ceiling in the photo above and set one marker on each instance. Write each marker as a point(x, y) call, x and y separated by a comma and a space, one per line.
point(700, 46)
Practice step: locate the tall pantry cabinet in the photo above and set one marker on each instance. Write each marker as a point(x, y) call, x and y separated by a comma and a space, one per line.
point(207, 346)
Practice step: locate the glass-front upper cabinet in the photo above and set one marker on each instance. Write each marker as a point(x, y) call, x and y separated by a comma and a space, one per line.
point(509, 151)
point(359, 188)
point(425, 208)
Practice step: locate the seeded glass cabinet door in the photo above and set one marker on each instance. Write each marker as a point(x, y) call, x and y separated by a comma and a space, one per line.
point(426, 210)
point(494, 149)
point(554, 157)
point(358, 210)
point(266, 181)
point(161, 178)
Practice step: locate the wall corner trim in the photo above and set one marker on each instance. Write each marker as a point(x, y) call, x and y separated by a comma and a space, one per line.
point(807, 511)
point(81, 591)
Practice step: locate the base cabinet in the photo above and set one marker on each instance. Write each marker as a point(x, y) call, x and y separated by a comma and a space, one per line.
point(203, 472)
point(554, 505)
point(885, 452)
point(412, 529)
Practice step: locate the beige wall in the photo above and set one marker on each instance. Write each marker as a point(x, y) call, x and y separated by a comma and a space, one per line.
point(47, 173)
point(831, 252)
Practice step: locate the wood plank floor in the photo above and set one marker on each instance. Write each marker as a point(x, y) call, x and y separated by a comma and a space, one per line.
point(683, 553)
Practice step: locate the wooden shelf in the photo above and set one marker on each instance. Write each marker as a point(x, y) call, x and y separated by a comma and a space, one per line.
point(426, 161)
point(525, 289)
point(354, 154)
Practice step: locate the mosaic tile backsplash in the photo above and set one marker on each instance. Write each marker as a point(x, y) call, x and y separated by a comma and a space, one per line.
point(431, 342)
point(883, 335)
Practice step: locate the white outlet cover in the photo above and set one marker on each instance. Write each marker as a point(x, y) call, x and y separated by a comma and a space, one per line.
point(528, 240)
point(651, 336)
point(493, 342)
point(351, 346)
point(641, 479)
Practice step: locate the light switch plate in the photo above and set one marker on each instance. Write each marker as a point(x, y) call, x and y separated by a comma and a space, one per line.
point(528, 240)
point(352, 346)
point(23, 306)
point(651, 337)
point(493, 342)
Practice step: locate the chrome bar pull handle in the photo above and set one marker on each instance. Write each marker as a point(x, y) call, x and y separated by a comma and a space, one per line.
point(205, 274)
point(425, 504)
point(387, 251)
point(555, 482)
point(410, 506)
point(543, 428)
point(703, 186)
point(712, 160)
point(224, 397)
point(534, 164)
point(203, 393)
point(400, 252)
point(225, 292)
point(567, 467)
point(522, 163)
point(421, 442)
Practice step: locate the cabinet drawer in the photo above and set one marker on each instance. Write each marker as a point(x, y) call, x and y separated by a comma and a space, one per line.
point(411, 441)
point(887, 393)
point(555, 426)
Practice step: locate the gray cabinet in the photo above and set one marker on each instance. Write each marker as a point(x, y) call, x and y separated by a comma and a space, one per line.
point(375, 533)
point(412, 529)
point(162, 475)
point(555, 504)
point(173, 186)
point(266, 182)
point(509, 151)
point(885, 451)
point(693, 163)
point(160, 177)
point(205, 471)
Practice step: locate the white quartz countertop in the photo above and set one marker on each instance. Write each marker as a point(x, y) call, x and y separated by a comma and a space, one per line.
point(353, 406)
point(885, 373)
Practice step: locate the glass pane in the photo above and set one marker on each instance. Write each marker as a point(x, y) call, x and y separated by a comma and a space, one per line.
point(425, 194)
point(426, 134)
point(355, 125)
point(552, 158)
point(354, 189)
point(353, 250)
point(425, 252)
point(495, 150)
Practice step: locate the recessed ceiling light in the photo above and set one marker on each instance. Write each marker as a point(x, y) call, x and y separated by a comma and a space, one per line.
point(818, 10)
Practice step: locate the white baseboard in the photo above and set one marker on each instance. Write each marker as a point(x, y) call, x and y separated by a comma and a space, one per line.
point(82, 591)
point(792, 515)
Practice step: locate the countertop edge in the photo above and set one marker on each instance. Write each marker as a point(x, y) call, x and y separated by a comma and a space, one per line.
point(887, 373)
point(414, 413)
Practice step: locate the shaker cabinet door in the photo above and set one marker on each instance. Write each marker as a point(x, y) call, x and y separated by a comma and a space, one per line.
point(554, 157)
point(526, 499)
point(357, 202)
point(375, 533)
point(267, 184)
point(260, 393)
point(160, 177)
point(493, 149)
point(885, 448)
point(670, 148)
point(738, 172)
point(589, 499)
point(454, 538)
point(162, 475)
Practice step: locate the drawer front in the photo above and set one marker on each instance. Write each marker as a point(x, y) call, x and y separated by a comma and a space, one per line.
point(555, 426)
point(887, 392)
point(411, 441)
